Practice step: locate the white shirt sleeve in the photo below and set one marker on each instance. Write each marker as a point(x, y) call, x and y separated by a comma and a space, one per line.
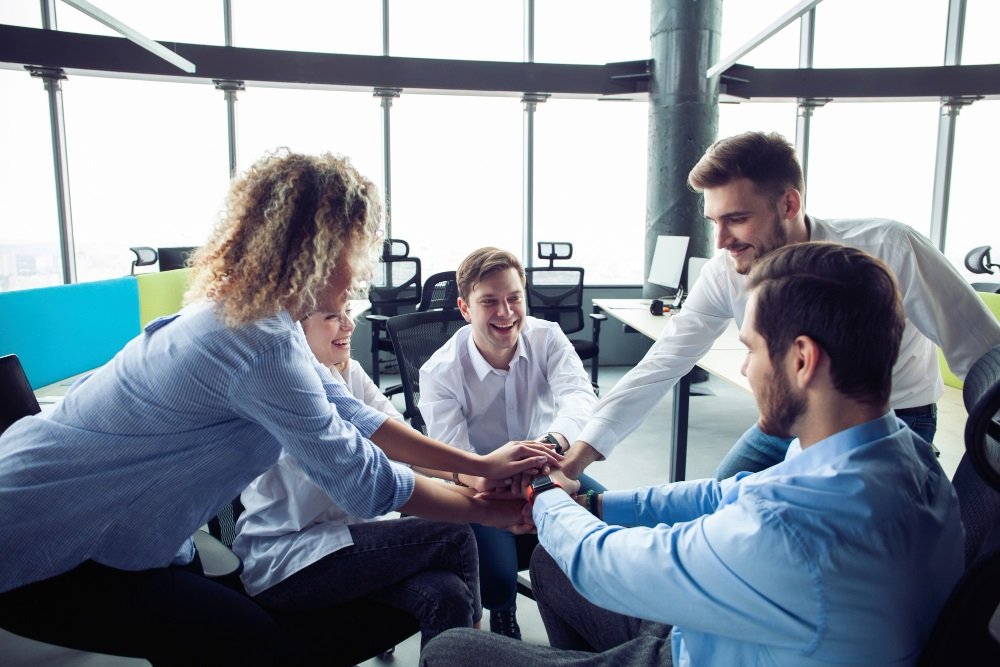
point(570, 386)
point(687, 337)
point(442, 403)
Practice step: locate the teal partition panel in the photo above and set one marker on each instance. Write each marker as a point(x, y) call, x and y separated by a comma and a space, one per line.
point(60, 331)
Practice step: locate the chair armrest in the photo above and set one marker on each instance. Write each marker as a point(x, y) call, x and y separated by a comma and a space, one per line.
point(371, 317)
point(217, 560)
point(600, 317)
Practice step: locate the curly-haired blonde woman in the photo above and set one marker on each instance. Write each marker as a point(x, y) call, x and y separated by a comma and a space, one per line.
point(100, 497)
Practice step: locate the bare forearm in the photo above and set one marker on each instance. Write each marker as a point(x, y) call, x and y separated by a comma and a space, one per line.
point(442, 502)
point(580, 455)
point(406, 445)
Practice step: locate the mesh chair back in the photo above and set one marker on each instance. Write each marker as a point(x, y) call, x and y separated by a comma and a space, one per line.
point(18, 399)
point(440, 292)
point(396, 282)
point(556, 294)
point(222, 526)
point(415, 337)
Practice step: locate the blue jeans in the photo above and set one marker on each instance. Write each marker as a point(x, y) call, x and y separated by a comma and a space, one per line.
point(756, 450)
point(502, 555)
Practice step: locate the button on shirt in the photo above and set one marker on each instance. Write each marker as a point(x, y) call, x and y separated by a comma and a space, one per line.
point(473, 406)
point(941, 309)
point(844, 553)
point(288, 522)
point(151, 445)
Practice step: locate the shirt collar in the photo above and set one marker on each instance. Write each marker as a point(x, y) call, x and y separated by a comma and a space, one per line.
point(483, 367)
point(800, 460)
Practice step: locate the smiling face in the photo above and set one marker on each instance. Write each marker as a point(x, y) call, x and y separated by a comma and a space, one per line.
point(495, 309)
point(780, 406)
point(748, 225)
point(329, 335)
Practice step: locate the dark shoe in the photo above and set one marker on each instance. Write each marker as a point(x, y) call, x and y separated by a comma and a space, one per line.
point(504, 622)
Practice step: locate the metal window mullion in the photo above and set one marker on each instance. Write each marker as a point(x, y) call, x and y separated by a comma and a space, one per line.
point(528, 146)
point(803, 118)
point(947, 122)
point(52, 79)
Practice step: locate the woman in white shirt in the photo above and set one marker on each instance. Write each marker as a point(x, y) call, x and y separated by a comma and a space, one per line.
point(302, 552)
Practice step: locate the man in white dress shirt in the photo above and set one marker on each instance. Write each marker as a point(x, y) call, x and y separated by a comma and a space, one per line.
point(753, 188)
point(506, 376)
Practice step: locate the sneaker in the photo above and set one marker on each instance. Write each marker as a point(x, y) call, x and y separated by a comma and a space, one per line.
point(504, 622)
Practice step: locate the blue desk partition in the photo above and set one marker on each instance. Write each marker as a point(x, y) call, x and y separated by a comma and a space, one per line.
point(60, 331)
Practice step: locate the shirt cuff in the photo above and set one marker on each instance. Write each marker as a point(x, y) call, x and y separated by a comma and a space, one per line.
point(600, 436)
point(618, 508)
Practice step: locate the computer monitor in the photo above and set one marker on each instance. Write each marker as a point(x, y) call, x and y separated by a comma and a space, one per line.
point(668, 261)
point(173, 258)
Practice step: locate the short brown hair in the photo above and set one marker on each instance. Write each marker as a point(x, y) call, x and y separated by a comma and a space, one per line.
point(480, 263)
point(845, 300)
point(766, 159)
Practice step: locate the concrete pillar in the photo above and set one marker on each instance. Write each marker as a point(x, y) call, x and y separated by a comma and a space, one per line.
point(683, 122)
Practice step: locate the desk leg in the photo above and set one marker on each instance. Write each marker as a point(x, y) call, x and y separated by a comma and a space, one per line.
point(679, 437)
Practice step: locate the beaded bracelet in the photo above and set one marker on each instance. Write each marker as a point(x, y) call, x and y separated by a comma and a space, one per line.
point(589, 503)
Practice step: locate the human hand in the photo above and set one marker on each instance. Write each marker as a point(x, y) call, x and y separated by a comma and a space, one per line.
point(505, 514)
point(526, 456)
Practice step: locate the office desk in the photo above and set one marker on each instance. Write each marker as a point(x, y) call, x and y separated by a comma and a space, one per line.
point(724, 360)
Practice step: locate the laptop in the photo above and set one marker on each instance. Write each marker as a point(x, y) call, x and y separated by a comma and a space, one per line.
point(18, 400)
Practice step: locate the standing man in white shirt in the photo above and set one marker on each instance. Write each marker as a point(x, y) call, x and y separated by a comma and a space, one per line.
point(504, 377)
point(753, 188)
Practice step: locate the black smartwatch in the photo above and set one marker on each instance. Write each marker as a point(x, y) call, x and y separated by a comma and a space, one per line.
point(551, 439)
point(540, 484)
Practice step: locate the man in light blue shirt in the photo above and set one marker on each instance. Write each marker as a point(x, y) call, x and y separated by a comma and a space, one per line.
point(843, 553)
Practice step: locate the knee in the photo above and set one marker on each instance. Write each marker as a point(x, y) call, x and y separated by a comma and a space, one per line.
point(448, 648)
point(542, 568)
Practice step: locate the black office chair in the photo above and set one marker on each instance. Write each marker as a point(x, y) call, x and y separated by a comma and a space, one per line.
point(967, 631)
point(395, 285)
point(416, 336)
point(18, 398)
point(555, 293)
point(144, 256)
point(174, 258)
point(440, 292)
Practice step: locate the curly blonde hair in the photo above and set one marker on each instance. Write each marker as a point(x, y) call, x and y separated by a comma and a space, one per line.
point(288, 222)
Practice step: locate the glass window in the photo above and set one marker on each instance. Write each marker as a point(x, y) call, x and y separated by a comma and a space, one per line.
point(591, 31)
point(456, 29)
point(742, 20)
point(311, 121)
point(972, 219)
point(148, 166)
point(25, 13)
point(888, 33)
point(188, 21)
point(456, 176)
point(29, 227)
point(873, 160)
point(340, 26)
point(590, 184)
point(980, 45)
point(757, 116)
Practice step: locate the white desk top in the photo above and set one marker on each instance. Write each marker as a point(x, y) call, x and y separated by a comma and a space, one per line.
point(726, 357)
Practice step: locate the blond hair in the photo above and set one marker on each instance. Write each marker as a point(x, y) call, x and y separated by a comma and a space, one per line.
point(288, 222)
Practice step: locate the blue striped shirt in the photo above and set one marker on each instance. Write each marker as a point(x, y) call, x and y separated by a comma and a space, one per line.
point(150, 446)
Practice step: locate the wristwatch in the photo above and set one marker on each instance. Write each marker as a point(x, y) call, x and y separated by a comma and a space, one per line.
point(551, 439)
point(540, 484)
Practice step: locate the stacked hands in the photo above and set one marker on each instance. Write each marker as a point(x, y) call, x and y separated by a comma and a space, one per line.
point(510, 468)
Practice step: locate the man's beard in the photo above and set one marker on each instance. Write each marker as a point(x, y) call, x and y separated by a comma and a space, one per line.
point(780, 407)
point(779, 240)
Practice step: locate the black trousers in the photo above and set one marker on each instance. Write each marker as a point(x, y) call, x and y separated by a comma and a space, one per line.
point(176, 616)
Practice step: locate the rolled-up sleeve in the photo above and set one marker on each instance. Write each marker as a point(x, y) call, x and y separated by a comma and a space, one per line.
point(325, 427)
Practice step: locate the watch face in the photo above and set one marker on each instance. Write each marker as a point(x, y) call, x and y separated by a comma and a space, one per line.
point(542, 483)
